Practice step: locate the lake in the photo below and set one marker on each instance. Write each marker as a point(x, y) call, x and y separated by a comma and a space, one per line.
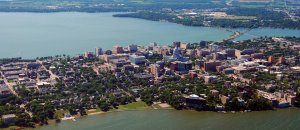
point(33, 35)
point(281, 119)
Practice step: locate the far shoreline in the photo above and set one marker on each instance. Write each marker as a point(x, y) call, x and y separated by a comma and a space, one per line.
point(124, 12)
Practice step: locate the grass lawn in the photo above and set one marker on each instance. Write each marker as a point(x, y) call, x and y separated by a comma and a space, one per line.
point(11, 128)
point(139, 105)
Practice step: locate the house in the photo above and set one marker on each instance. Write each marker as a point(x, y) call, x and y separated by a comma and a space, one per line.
point(224, 99)
point(43, 87)
point(4, 90)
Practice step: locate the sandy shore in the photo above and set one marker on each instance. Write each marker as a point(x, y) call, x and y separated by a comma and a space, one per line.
point(96, 113)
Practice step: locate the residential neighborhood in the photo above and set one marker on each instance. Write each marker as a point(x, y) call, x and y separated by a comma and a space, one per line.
point(242, 76)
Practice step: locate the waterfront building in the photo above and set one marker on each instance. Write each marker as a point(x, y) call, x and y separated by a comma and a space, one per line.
point(9, 118)
point(88, 55)
point(213, 47)
point(117, 49)
point(176, 44)
point(291, 99)
point(203, 43)
point(184, 45)
point(98, 52)
point(194, 101)
point(108, 52)
point(132, 48)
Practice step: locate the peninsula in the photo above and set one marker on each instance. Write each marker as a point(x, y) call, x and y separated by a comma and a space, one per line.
point(210, 13)
point(250, 75)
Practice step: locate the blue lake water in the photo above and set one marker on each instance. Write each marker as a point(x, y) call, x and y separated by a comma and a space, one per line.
point(282, 119)
point(32, 35)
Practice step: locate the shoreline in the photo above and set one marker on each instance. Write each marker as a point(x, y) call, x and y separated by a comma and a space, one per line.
point(123, 12)
point(52, 122)
point(189, 111)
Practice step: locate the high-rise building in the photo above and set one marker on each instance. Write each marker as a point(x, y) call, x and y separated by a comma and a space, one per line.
point(230, 52)
point(98, 51)
point(132, 48)
point(271, 59)
point(203, 43)
point(237, 54)
point(219, 56)
point(156, 70)
point(211, 65)
point(117, 49)
point(184, 45)
point(281, 60)
point(88, 55)
point(181, 66)
point(213, 47)
point(203, 52)
point(176, 44)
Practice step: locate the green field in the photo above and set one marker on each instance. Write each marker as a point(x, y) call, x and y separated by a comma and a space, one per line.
point(139, 105)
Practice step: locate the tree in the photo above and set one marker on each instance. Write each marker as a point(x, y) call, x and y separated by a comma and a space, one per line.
point(103, 105)
point(235, 105)
point(258, 104)
point(297, 103)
